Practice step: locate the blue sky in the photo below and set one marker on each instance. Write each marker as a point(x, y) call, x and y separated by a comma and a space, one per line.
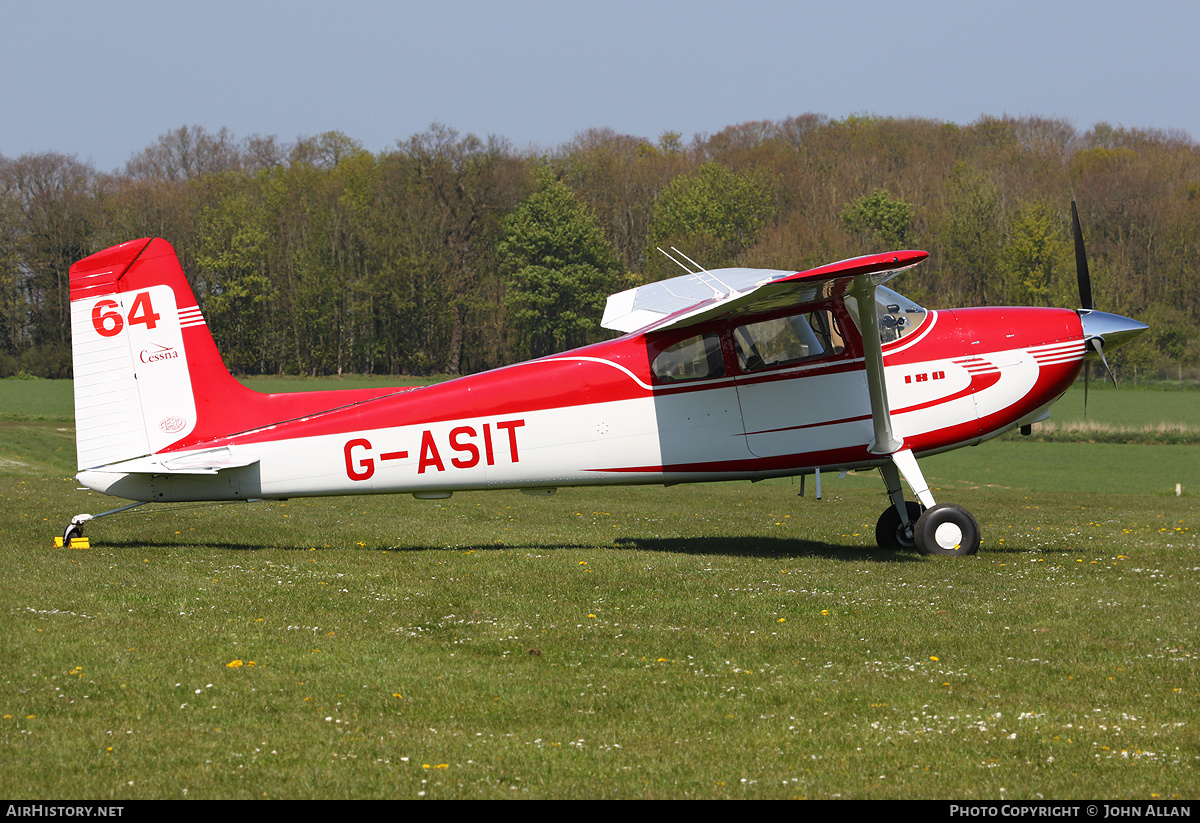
point(101, 80)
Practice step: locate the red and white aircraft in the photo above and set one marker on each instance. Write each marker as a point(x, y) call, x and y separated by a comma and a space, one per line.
point(720, 375)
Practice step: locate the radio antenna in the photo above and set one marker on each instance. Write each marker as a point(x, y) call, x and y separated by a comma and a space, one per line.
point(676, 262)
point(690, 260)
point(702, 274)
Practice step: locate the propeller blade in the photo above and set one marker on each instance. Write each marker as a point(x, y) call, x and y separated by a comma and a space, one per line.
point(1081, 264)
point(1098, 345)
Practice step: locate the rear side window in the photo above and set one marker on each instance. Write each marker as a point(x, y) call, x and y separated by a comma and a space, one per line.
point(693, 358)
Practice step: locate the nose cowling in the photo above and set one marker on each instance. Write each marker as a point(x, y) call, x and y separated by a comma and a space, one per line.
point(1110, 329)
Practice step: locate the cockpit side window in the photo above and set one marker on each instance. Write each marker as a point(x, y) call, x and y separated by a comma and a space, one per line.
point(693, 358)
point(785, 341)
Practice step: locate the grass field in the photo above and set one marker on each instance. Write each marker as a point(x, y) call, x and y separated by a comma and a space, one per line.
point(713, 641)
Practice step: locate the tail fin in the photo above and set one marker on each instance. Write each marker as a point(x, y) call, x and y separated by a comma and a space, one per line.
point(148, 376)
point(140, 347)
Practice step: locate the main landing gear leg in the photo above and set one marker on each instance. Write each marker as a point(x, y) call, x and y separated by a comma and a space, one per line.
point(897, 526)
point(932, 528)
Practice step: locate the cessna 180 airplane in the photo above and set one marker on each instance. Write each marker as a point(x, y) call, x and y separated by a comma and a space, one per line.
point(720, 375)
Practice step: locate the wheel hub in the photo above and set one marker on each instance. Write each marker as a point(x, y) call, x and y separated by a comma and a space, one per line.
point(948, 535)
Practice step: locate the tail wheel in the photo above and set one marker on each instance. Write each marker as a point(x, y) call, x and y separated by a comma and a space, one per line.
point(947, 529)
point(891, 534)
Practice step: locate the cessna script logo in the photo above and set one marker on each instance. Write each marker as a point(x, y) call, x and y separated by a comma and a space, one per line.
point(162, 353)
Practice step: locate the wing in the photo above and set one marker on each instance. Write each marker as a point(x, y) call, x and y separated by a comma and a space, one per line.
point(694, 298)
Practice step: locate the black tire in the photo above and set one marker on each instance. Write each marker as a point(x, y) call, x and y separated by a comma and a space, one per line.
point(71, 533)
point(947, 529)
point(889, 531)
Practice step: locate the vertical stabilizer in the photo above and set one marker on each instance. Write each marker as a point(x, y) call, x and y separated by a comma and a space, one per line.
point(130, 305)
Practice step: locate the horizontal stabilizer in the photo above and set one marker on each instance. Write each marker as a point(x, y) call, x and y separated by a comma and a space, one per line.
point(209, 461)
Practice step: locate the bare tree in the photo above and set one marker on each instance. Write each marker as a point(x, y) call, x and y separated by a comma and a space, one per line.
point(57, 202)
point(186, 153)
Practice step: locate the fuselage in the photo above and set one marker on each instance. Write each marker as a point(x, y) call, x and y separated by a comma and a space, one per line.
point(719, 400)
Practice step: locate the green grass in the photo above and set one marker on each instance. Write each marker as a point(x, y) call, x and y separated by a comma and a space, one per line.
point(714, 641)
point(32, 398)
point(1129, 415)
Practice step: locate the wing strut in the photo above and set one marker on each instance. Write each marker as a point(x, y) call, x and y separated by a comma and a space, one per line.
point(903, 463)
point(885, 441)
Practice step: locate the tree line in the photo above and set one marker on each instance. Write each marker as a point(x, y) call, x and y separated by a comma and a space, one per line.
point(450, 253)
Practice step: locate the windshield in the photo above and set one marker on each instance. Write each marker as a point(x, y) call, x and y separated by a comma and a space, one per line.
point(897, 314)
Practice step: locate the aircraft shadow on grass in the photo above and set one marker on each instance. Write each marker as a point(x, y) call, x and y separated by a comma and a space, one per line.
point(750, 546)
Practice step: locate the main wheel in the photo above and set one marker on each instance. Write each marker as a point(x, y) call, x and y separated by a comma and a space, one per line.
point(947, 529)
point(71, 533)
point(890, 533)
